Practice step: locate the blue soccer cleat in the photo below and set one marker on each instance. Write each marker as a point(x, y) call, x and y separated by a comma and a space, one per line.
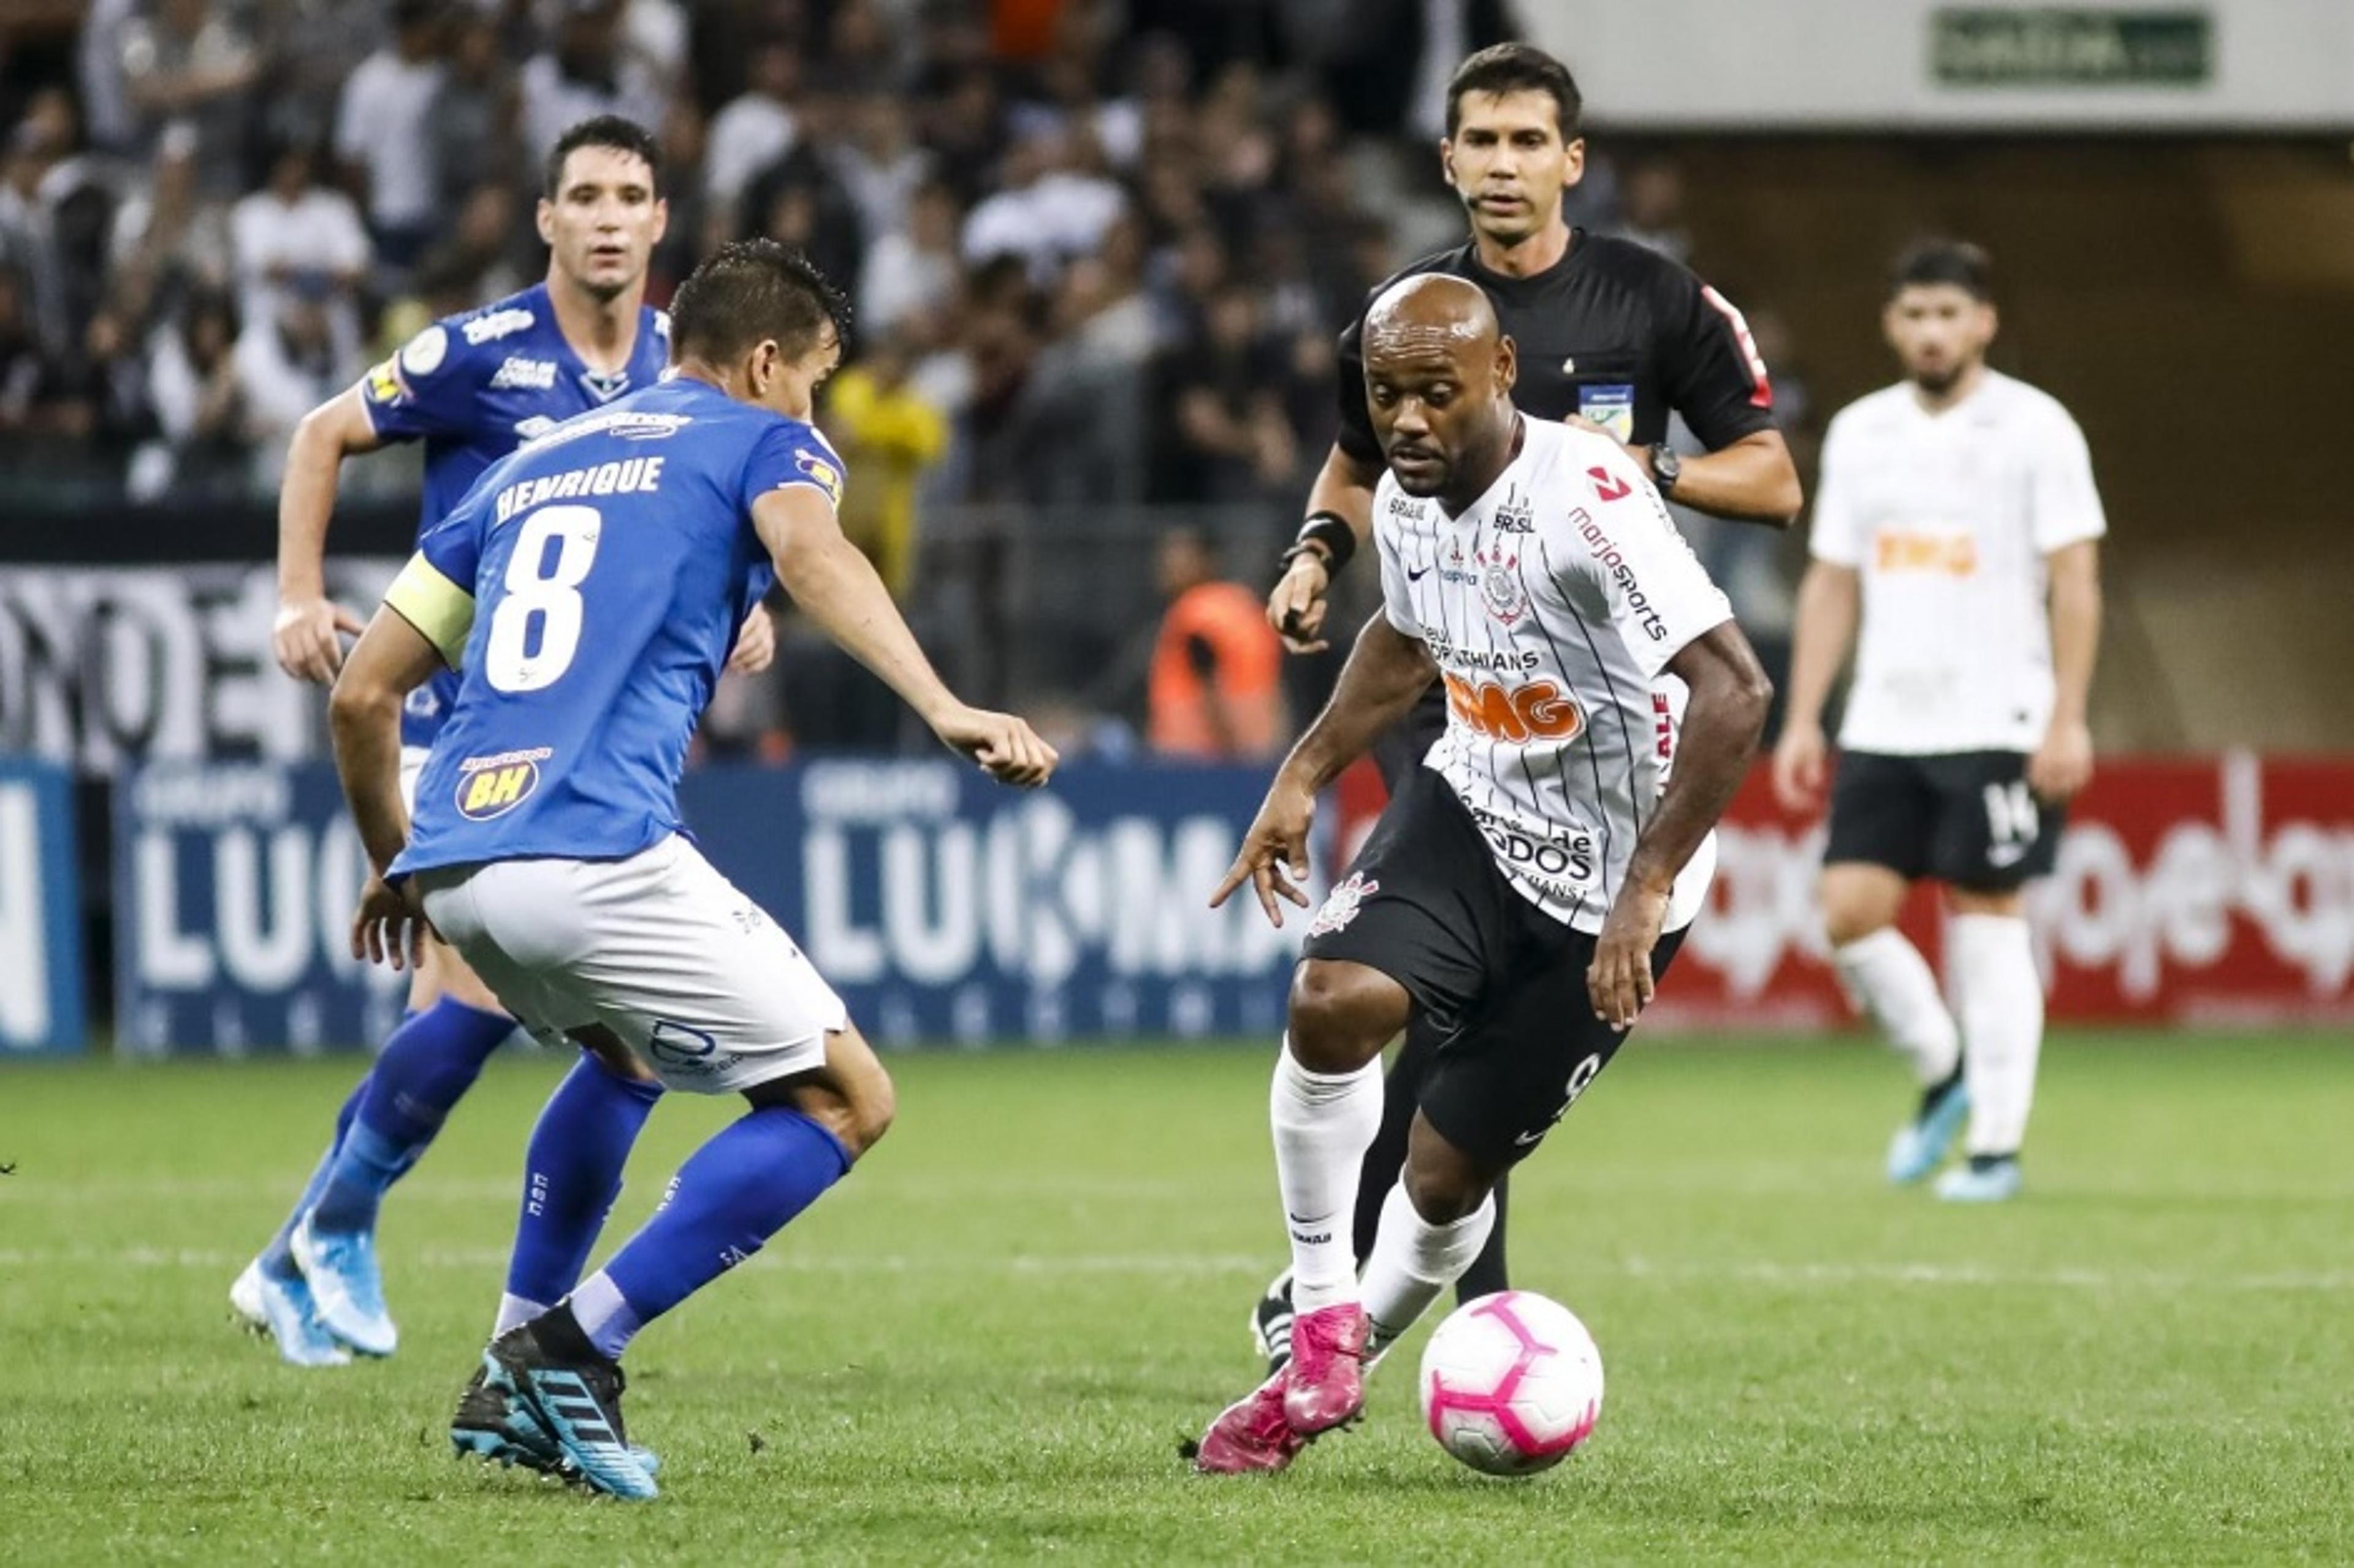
point(576, 1404)
point(282, 1310)
point(348, 1287)
point(494, 1425)
point(1987, 1179)
point(1920, 1145)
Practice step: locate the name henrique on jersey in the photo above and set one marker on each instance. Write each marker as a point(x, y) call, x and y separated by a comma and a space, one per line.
point(1551, 607)
point(589, 589)
point(472, 388)
point(1947, 519)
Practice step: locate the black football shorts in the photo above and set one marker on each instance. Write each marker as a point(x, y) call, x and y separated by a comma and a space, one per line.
point(1502, 981)
point(1966, 817)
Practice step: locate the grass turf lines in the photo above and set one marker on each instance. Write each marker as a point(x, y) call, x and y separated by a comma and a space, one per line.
point(986, 1344)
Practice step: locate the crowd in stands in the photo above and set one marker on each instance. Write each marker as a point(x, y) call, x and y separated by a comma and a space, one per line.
point(1098, 250)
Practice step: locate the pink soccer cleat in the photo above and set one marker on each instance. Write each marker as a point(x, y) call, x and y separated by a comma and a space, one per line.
point(1252, 1433)
point(1326, 1375)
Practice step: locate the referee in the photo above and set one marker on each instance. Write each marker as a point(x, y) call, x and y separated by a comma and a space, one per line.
point(1609, 333)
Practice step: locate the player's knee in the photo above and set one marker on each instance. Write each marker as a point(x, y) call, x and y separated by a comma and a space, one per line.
point(1444, 1192)
point(1853, 910)
point(1845, 923)
point(1342, 1015)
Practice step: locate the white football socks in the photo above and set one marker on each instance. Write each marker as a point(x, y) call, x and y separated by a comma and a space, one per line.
point(1413, 1260)
point(1890, 979)
point(2002, 997)
point(1323, 1123)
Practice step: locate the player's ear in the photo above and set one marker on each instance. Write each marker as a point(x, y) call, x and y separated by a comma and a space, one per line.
point(1447, 159)
point(1575, 153)
point(662, 218)
point(1508, 365)
point(544, 216)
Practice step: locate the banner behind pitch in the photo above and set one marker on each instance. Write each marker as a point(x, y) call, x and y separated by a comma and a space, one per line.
point(940, 905)
point(40, 912)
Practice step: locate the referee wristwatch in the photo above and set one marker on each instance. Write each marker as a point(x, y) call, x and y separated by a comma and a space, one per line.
point(1666, 467)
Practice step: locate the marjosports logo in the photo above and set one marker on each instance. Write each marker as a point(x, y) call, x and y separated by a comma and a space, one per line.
point(492, 785)
point(1603, 548)
point(1608, 485)
point(1540, 710)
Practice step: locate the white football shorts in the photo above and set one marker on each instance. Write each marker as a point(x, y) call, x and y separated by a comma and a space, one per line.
point(659, 948)
point(412, 769)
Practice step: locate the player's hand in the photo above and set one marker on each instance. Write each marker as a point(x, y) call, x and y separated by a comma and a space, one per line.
point(1274, 857)
point(1619, 980)
point(1007, 748)
point(1801, 760)
point(390, 927)
point(306, 638)
point(1297, 606)
point(756, 645)
point(2062, 764)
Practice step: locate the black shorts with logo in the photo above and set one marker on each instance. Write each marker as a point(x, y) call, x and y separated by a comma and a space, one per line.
point(1966, 817)
point(1502, 981)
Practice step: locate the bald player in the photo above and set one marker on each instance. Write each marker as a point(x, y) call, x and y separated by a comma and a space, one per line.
point(1528, 885)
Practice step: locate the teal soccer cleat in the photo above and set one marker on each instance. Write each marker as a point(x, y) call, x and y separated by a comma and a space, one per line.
point(1920, 1145)
point(282, 1311)
point(576, 1404)
point(1987, 1179)
point(348, 1287)
point(494, 1427)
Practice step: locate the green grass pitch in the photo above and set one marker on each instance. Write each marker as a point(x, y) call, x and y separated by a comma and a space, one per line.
point(986, 1344)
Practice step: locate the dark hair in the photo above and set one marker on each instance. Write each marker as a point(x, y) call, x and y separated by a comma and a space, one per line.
point(752, 289)
point(1516, 68)
point(1955, 261)
point(605, 130)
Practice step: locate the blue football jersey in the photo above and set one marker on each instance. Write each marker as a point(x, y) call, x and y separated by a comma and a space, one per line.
point(474, 386)
point(589, 589)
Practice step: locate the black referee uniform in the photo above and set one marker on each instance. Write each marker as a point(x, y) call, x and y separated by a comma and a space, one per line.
point(1617, 334)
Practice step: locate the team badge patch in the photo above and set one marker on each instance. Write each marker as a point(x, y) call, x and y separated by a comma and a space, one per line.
point(822, 473)
point(1502, 592)
point(491, 787)
point(1342, 905)
point(1611, 407)
point(383, 384)
point(426, 351)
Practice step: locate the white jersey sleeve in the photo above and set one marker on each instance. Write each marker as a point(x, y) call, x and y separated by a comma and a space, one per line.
point(2064, 508)
point(1836, 534)
point(1660, 597)
point(1397, 603)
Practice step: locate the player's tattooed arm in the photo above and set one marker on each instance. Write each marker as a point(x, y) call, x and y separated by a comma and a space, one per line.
point(1730, 695)
point(310, 626)
point(1385, 672)
point(835, 586)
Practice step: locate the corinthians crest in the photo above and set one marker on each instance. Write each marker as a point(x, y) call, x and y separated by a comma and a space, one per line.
point(1502, 591)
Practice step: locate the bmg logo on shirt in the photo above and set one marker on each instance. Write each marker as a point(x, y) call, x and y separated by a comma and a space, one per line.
point(491, 787)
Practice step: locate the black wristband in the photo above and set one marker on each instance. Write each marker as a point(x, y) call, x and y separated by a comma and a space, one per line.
point(1329, 530)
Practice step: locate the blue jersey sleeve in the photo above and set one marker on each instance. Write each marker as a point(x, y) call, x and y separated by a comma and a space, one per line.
point(426, 390)
point(789, 453)
point(435, 592)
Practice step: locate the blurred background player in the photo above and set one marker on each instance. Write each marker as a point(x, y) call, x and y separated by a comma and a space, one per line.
point(563, 872)
point(1956, 515)
point(1525, 890)
point(471, 387)
point(1610, 333)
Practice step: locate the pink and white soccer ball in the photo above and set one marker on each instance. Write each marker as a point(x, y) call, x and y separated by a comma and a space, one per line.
point(1511, 1383)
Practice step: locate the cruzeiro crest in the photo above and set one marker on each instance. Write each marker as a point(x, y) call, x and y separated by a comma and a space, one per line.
point(1502, 591)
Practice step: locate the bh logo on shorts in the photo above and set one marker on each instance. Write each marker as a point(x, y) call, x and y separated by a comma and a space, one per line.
point(492, 785)
point(1342, 905)
point(685, 1049)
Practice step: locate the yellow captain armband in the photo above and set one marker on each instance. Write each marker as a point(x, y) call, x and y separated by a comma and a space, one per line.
point(437, 607)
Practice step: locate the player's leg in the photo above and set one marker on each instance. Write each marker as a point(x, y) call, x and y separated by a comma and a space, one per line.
point(1411, 929)
point(1881, 831)
point(1992, 836)
point(1492, 1098)
point(271, 1296)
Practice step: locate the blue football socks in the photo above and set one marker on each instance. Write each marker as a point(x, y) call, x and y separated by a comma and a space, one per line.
point(275, 1258)
point(728, 1199)
point(572, 1174)
point(426, 1067)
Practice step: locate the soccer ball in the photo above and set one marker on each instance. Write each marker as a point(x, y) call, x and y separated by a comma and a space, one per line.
point(1511, 1383)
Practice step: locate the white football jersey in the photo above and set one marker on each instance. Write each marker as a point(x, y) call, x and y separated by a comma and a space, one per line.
point(1947, 518)
point(1551, 606)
